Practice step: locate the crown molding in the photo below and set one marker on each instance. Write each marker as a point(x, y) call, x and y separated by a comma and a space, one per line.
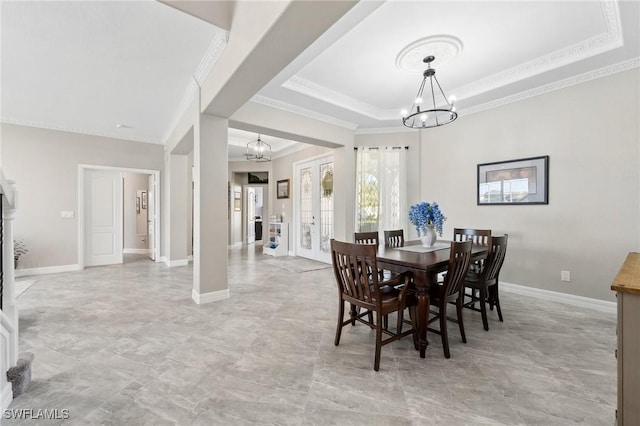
point(598, 44)
point(302, 111)
point(48, 126)
point(211, 56)
point(557, 85)
point(383, 130)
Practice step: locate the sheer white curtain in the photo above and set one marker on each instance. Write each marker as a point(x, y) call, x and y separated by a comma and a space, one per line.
point(380, 189)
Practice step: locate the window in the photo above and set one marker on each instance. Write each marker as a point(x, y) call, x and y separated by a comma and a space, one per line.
point(380, 189)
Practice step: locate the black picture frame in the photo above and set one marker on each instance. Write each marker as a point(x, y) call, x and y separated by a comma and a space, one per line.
point(144, 200)
point(283, 188)
point(258, 177)
point(524, 181)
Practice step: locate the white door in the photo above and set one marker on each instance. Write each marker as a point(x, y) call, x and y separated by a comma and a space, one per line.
point(103, 217)
point(151, 217)
point(250, 203)
point(314, 209)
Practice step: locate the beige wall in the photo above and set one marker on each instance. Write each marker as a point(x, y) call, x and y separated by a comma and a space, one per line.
point(135, 224)
point(44, 164)
point(591, 133)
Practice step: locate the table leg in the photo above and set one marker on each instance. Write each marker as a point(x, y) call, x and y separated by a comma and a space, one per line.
point(423, 313)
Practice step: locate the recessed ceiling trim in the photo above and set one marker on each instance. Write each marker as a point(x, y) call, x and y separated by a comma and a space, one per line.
point(302, 111)
point(601, 43)
point(316, 91)
point(112, 135)
point(556, 85)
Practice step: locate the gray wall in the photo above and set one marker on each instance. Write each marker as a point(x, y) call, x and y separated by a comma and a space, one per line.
point(133, 221)
point(591, 133)
point(44, 164)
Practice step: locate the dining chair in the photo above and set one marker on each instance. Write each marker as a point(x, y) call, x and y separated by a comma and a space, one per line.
point(486, 282)
point(394, 238)
point(366, 237)
point(450, 291)
point(363, 290)
point(478, 236)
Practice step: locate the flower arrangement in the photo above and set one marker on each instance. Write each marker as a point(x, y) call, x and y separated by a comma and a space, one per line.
point(424, 214)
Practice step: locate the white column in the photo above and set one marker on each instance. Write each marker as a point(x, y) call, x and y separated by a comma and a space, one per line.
point(210, 216)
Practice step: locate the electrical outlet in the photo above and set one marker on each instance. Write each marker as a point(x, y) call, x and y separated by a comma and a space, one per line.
point(565, 275)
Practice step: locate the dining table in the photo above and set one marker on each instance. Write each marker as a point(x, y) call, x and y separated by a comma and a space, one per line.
point(424, 264)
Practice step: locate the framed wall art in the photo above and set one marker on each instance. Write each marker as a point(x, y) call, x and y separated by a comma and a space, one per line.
point(283, 187)
point(514, 182)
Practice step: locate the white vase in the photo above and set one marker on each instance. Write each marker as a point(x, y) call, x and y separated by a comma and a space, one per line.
point(429, 237)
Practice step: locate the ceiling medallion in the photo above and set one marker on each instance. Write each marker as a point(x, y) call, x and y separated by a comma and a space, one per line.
point(443, 47)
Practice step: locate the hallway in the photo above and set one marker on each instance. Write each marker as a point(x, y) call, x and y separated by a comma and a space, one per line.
point(125, 344)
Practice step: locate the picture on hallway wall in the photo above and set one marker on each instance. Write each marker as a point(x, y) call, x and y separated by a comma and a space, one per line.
point(144, 200)
point(237, 201)
point(283, 188)
point(137, 205)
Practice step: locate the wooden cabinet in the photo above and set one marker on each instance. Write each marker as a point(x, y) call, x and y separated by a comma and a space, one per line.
point(278, 239)
point(627, 288)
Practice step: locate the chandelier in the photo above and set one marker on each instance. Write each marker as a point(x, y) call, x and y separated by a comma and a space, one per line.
point(423, 116)
point(258, 151)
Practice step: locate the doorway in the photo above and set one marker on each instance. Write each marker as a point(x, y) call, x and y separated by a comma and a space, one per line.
point(313, 205)
point(101, 214)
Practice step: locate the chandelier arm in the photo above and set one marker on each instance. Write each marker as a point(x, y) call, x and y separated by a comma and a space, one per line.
point(419, 94)
point(433, 96)
point(443, 95)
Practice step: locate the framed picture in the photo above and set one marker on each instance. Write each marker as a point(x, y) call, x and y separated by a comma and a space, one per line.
point(258, 177)
point(282, 189)
point(137, 205)
point(522, 181)
point(237, 201)
point(144, 200)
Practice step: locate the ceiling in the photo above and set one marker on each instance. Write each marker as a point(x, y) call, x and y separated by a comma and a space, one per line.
point(88, 66)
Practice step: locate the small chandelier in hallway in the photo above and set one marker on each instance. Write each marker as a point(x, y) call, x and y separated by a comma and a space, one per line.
point(259, 151)
point(441, 111)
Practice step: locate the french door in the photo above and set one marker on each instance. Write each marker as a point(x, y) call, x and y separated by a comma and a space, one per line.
point(313, 198)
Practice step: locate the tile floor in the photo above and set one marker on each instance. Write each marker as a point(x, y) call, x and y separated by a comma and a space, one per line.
point(125, 345)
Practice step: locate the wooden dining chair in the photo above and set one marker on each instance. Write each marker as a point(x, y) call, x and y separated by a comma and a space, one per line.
point(366, 237)
point(451, 291)
point(394, 238)
point(363, 290)
point(486, 282)
point(478, 236)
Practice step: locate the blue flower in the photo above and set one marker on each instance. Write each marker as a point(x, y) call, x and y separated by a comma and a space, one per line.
point(424, 214)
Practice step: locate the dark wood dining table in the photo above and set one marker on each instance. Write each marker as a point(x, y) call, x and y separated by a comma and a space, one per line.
point(424, 267)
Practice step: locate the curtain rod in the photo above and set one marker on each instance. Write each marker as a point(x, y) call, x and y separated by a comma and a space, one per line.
point(355, 148)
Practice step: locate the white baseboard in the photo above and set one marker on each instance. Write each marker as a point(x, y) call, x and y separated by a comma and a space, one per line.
point(190, 258)
point(161, 259)
point(290, 253)
point(178, 262)
point(47, 270)
point(7, 397)
point(214, 296)
point(569, 299)
point(236, 245)
point(135, 251)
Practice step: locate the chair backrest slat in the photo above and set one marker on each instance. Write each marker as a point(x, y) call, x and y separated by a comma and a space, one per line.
point(458, 265)
point(495, 259)
point(478, 236)
point(394, 238)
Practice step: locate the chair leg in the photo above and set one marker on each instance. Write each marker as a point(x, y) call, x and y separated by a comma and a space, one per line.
point(370, 317)
point(414, 324)
point(483, 308)
point(376, 362)
point(353, 313)
point(340, 319)
point(385, 322)
point(443, 329)
point(497, 299)
point(460, 323)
